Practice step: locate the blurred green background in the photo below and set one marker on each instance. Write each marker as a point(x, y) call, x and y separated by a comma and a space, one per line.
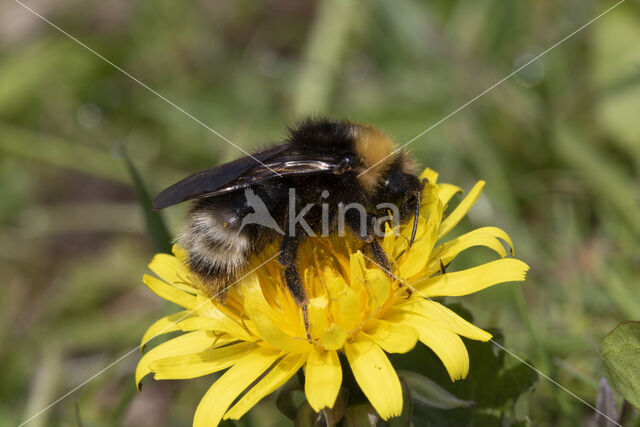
point(558, 144)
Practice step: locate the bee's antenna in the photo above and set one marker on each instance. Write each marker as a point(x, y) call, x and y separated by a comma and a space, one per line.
point(415, 219)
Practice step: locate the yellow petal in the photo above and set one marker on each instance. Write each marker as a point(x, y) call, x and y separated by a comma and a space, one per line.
point(318, 310)
point(213, 318)
point(263, 320)
point(401, 243)
point(379, 286)
point(392, 337)
point(431, 206)
point(389, 240)
point(420, 229)
point(165, 325)
point(199, 364)
point(430, 174)
point(180, 253)
point(334, 281)
point(172, 270)
point(183, 321)
point(195, 323)
point(202, 323)
point(277, 376)
point(417, 255)
point(228, 387)
point(346, 310)
point(461, 210)
point(356, 267)
point(445, 344)
point(169, 292)
point(485, 236)
point(447, 318)
point(261, 315)
point(375, 376)
point(473, 279)
point(333, 337)
point(276, 337)
point(323, 378)
point(192, 342)
point(447, 191)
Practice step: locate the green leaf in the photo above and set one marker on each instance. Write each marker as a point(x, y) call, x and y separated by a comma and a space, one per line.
point(286, 401)
point(620, 352)
point(334, 415)
point(513, 382)
point(492, 384)
point(425, 391)
point(156, 229)
point(306, 416)
point(362, 415)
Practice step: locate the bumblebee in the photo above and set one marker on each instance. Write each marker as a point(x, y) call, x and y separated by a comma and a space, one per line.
point(307, 185)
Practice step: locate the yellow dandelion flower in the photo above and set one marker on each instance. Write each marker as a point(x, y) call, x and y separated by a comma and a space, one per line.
point(258, 335)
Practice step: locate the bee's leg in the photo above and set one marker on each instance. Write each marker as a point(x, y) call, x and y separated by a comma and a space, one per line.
point(416, 214)
point(288, 257)
point(377, 253)
point(380, 257)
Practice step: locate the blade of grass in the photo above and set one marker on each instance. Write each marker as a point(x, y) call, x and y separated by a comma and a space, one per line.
point(605, 179)
point(156, 228)
point(45, 383)
point(58, 152)
point(325, 45)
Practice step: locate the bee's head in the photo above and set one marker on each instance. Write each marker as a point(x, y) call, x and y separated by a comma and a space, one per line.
point(385, 173)
point(402, 189)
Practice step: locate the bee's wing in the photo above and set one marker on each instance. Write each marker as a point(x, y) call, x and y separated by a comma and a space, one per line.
point(244, 172)
point(213, 179)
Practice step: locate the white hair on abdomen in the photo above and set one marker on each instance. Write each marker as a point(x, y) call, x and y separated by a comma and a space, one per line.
point(212, 242)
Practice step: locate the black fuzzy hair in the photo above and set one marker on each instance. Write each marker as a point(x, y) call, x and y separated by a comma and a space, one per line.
point(322, 133)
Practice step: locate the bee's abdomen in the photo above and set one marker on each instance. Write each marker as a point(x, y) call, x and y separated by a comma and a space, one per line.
point(218, 250)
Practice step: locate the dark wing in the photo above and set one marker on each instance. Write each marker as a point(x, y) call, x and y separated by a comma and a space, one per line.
point(244, 172)
point(212, 179)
